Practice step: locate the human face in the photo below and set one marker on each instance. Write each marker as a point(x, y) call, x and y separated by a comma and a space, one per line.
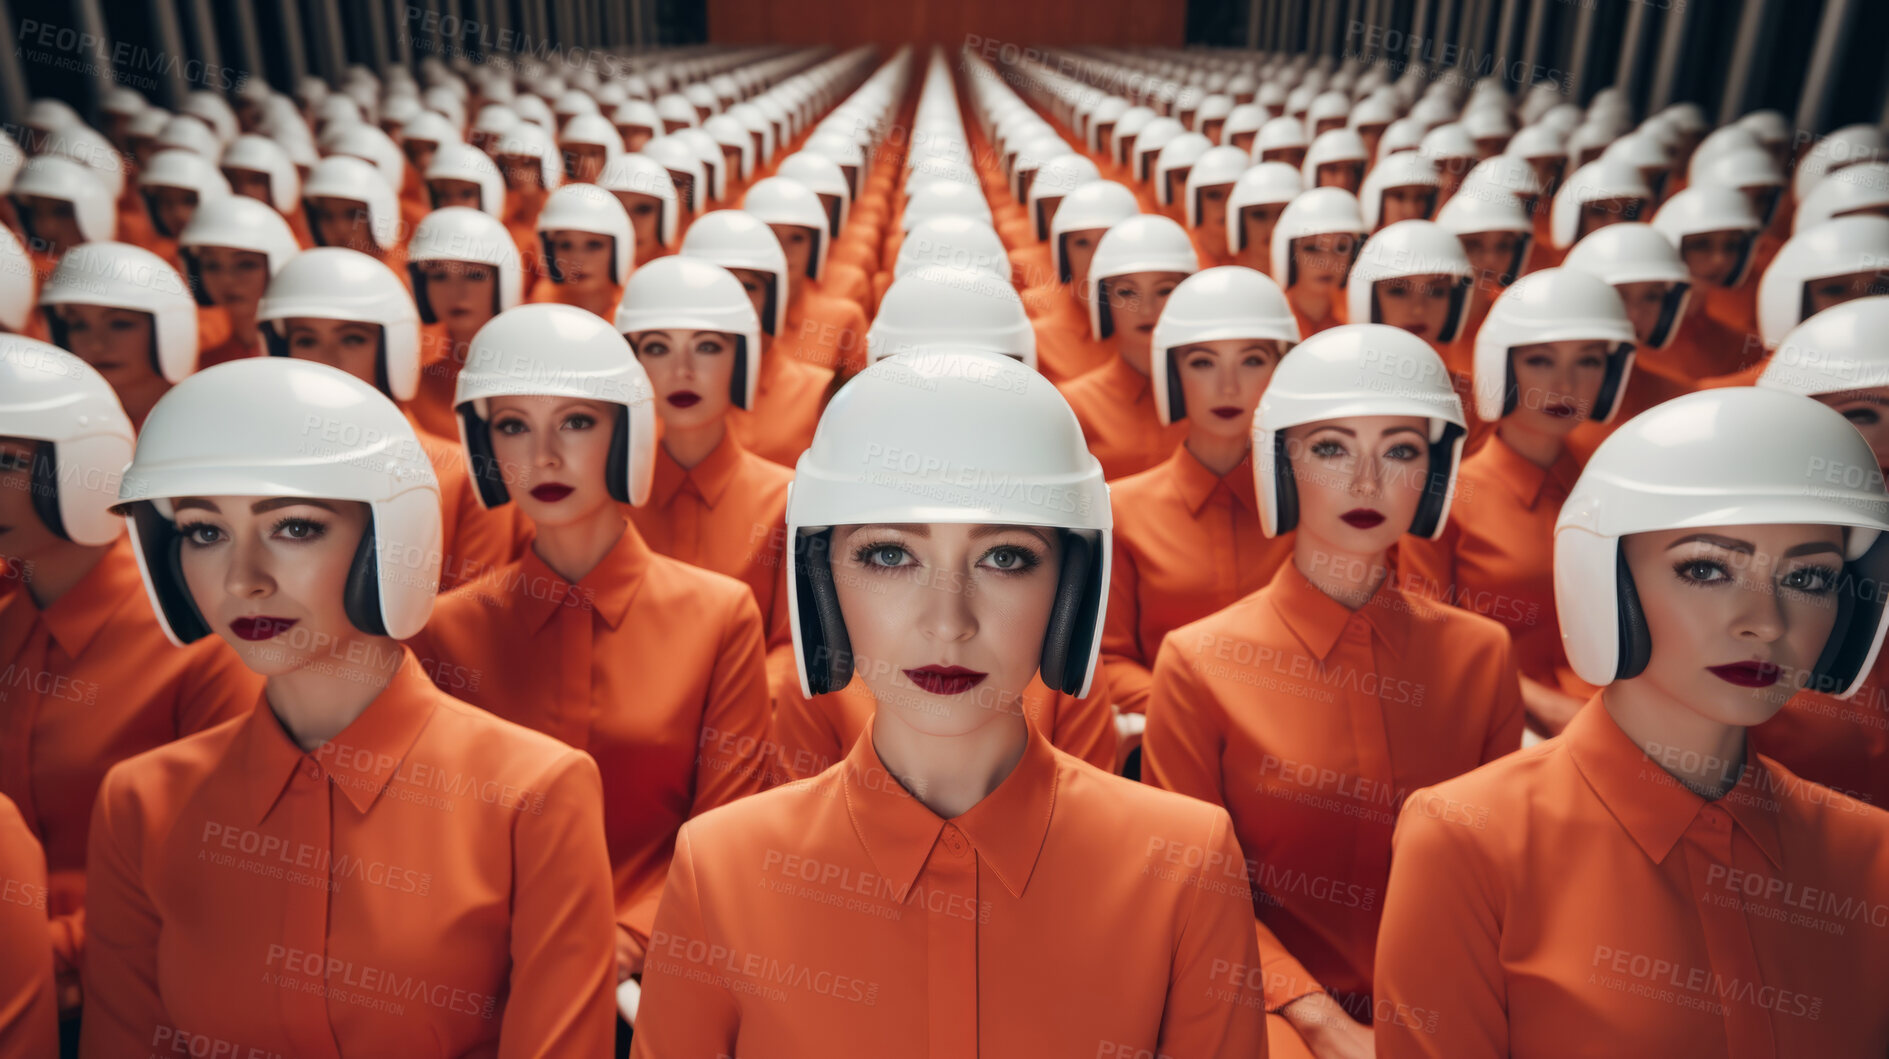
point(1177, 184)
point(583, 258)
point(1410, 203)
point(635, 136)
point(22, 534)
point(552, 453)
point(1135, 301)
point(1821, 294)
point(946, 621)
point(420, 153)
point(797, 242)
point(1292, 156)
point(170, 208)
point(460, 294)
point(1417, 304)
point(1712, 257)
point(1222, 380)
point(52, 222)
point(645, 220)
point(758, 284)
point(341, 222)
point(1646, 303)
point(583, 162)
point(1868, 411)
point(1347, 175)
point(352, 346)
point(1213, 207)
point(268, 574)
point(1078, 250)
point(115, 342)
point(447, 192)
point(251, 184)
point(1548, 170)
point(232, 277)
point(1737, 615)
point(1258, 223)
point(1557, 384)
point(691, 372)
point(1492, 255)
point(1359, 480)
point(1323, 260)
point(1600, 213)
point(522, 172)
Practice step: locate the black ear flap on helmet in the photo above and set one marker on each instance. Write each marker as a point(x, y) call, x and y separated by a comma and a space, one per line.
point(1515, 263)
point(162, 546)
point(768, 305)
point(380, 365)
point(828, 653)
point(1610, 384)
point(151, 211)
point(1177, 401)
point(1436, 486)
point(1459, 294)
point(1104, 324)
point(417, 272)
point(1669, 314)
point(1285, 489)
point(616, 470)
point(550, 259)
point(1636, 644)
point(1861, 593)
point(738, 381)
point(1063, 273)
point(1072, 619)
point(361, 596)
point(1512, 390)
point(45, 488)
point(482, 466)
point(191, 273)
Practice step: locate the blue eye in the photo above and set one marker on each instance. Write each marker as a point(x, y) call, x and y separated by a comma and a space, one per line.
point(882, 556)
point(200, 534)
point(1814, 580)
point(1011, 559)
point(1701, 571)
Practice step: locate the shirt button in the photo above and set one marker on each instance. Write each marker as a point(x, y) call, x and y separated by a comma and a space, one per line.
point(311, 768)
point(954, 841)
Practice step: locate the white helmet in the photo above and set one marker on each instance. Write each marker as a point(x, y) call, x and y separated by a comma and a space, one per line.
point(1215, 167)
point(1552, 305)
point(823, 176)
point(685, 170)
point(948, 412)
point(371, 145)
point(347, 177)
point(687, 292)
point(1852, 189)
point(783, 200)
point(1318, 211)
point(335, 283)
point(637, 114)
point(455, 233)
point(1505, 174)
point(260, 154)
point(1265, 184)
point(1634, 252)
point(1242, 119)
point(262, 426)
point(1181, 152)
point(1732, 456)
point(735, 239)
point(1402, 170)
point(181, 169)
point(1331, 148)
point(1836, 248)
point(709, 153)
point(674, 108)
point(1154, 136)
point(938, 198)
point(1129, 125)
point(1847, 146)
point(236, 223)
point(1097, 204)
point(1230, 301)
point(1357, 370)
point(759, 129)
point(1706, 208)
point(1056, 179)
point(53, 177)
point(1410, 248)
point(942, 308)
point(727, 132)
point(588, 208)
point(184, 133)
point(17, 283)
point(528, 139)
point(1836, 351)
point(557, 351)
point(1448, 141)
point(590, 130)
point(639, 174)
point(429, 126)
point(1594, 182)
point(1146, 242)
point(48, 395)
point(1279, 134)
point(122, 276)
point(1475, 214)
point(1400, 137)
point(1106, 112)
point(459, 161)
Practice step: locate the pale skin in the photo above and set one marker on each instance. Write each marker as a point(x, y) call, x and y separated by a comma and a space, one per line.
point(758, 283)
point(1078, 250)
point(1221, 383)
point(645, 213)
point(1347, 175)
point(940, 594)
point(1213, 216)
point(1321, 262)
point(1135, 300)
point(1600, 213)
point(1340, 466)
point(1645, 302)
point(53, 223)
point(583, 260)
point(117, 344)
point(1257, 223)
point(1417, 304)
point(1719, 596)
point(1491, 255)
point(797, 242)
point(170, 208)
point(235, 281)
point(1712, 257)
point(461, 295)
point(1413, 202)
point(49, 565)
point(1868, 411)
point(448, 192)
point(349, 345)
point(342, 222)
point(682, 364)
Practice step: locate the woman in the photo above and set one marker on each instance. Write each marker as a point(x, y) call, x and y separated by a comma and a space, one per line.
point(1645, 879)
point(1187, 534)
point(1313, 245)
point(1556, 351)
point(1414, 276)
point(648, 196)
point(1000, 915)
point(588, 250)
point(464, 270)
point(349, 204)
point(1058, 302)
point(174, 186)
point(1366, 692)
point(230, 250)
point(27, 991)
point(713, 503)
point(362, 863)
point(1209, 184)
point(1403, 187)
point(1253, 209)
point(124, 311)
point(1134, 271)
point(557, 417)
point(1715, 230)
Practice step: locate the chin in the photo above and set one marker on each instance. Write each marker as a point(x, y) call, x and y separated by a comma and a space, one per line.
point(945, 716)
point(269, 658)
point(1354, 541)
point(1728, 704)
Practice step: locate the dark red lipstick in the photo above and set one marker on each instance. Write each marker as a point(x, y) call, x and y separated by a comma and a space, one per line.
point(1363, 518)
point(945, 680)
point(685, 399)
point(261, 627)
point(1227, 412)
point(551, 492)
point(1747, 674)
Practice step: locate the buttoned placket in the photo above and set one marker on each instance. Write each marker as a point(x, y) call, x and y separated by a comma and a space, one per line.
point(20, 703)
point(307, 811)
point(1370, 737)
point(687, 536)
point(948, 885)
point(1223, 540)
point(1733, 959)
point(574, 711)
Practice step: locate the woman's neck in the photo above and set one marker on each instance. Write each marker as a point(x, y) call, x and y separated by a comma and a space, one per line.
point(318, 701)
point(574, 549)
point(1314, 302)
point(1704, 755)
point(1351, 578)
point(1218, 454)
point(57, 570)
point(950, 774)
point(690, 447)
point(243, 324)
point(1133, 354)
point(600, 300)
point(1539, 448)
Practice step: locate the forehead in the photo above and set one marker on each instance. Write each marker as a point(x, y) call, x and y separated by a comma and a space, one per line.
point(1368, 427)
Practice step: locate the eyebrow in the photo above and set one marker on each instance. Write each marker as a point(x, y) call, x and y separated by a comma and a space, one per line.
point(923, 529)
point(1350, 433)
point(257, 508)
point(1732, 544)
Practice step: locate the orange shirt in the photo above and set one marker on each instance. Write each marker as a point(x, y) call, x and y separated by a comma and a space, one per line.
point(1840, 743)
point(1496, 555)
point(231, 348)
point(1334, 316)
point(847, 281)
point(432, 881)
point(728, 514)
point(825, 331)
point(1704, 347)
point(1187, 543)
point(1066, 914)
point(29, 1012)
point(474, 539)
point(788, 399)
point(1647, 386)
point(546, 291)
point(84, 684)
point(650, 665)
point(1115, 405)
point(811, 734)
point(432, 405)
point(1576, 892)
point(1064, 349)
point(1311, 723)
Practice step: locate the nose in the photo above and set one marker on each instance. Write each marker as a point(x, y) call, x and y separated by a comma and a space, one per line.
point(949, 614)
point(247, 576)
point(1364, 476)
point(1759, 616)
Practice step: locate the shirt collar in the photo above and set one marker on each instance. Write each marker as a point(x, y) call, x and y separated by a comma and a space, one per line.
point(1197, 484)
point(76, 617)
point(1007, 828)
point(1650, 804)
point(361, 759)
point(608, 589)
point(1523, 477)
point(711, 477)
point(1319, 620)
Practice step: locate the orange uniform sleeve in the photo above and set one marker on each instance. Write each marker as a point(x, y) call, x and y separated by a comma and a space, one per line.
point(682, 1014)
point(1427, 568)
point(1180, 752)
point(123, 1009)
point(29, 1010)
point(1124, 656)
point(781, 674)
point(1509, 716)
point(805, 739)
point(1211, 1007)
point(1439, 984)
point(1085, 727)
point(563, 979)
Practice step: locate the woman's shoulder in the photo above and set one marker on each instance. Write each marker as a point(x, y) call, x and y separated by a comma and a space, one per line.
point(1128, 806)
point(165, 773)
